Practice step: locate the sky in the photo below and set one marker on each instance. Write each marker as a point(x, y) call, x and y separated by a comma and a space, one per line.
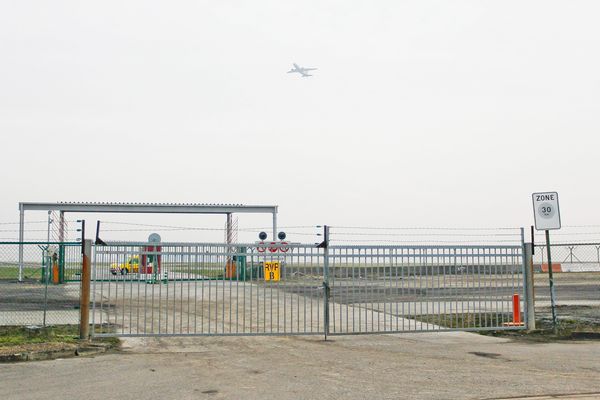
point(421, 113)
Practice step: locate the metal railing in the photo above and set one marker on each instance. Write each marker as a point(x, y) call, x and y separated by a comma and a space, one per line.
point(220, 289)
point(207, 289)
point(423, 288)
point(142, 289)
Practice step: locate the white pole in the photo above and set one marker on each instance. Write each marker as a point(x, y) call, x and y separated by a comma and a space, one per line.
point(49, 223)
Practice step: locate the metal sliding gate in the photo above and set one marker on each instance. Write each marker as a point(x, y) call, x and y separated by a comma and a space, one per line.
point(208, 289)
point(390, 289)
point(220, 289)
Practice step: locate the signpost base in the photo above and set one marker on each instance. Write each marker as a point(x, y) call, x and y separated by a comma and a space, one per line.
point(551, 278)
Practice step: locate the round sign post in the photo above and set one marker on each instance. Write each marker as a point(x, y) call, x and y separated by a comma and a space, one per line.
point(152, 256)
point(547, 217)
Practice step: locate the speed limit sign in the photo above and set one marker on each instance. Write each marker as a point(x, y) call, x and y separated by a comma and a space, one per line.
point(546, 211)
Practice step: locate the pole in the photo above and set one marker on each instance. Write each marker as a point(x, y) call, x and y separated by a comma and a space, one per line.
point(532, 240)
point(47, 266)
point(49, 225)
point(552, 296)
point(229, 267)
point(274, 226)
point(326, 279)
point(48, 262)
point(229, 229)
point(21, 238)
point(61, 226)
point(61, 246)
point(529, 287)
point(84, 300)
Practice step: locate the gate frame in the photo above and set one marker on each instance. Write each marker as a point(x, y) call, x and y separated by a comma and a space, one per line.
point(526, 288)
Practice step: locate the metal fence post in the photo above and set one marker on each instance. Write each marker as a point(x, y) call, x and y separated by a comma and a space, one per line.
point(529, 289)
point(326, 280)
point(84, 300)
point(21, 239)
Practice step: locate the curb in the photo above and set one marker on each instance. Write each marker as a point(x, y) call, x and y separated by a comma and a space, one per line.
point(585, 335)
point(79, 351)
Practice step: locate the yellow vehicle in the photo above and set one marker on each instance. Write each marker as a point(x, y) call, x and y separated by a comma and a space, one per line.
point(132, 265)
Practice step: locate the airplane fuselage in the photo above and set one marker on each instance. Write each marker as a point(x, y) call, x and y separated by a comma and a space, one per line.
point(301, 71)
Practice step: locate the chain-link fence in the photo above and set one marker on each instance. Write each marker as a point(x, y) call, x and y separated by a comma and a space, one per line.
point(35, 287)
point(577, 257)
point(576, 273)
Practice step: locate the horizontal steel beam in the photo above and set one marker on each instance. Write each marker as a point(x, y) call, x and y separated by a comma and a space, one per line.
point(148, 208)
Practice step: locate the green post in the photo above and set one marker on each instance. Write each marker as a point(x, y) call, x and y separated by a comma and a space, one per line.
point(241, 267)
point(61, 263)
point(44, 267)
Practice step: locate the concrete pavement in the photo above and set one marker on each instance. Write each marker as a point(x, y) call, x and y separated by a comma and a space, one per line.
point(450, 365)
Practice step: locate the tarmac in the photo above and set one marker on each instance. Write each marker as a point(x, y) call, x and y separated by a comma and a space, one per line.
point(441, 365)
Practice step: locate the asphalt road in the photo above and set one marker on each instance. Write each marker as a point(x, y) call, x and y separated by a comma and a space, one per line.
point(451, 365)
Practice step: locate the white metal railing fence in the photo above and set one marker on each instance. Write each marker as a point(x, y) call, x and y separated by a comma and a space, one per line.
point(220, 289)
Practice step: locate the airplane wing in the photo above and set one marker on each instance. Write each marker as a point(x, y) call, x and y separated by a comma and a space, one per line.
point(305, 75)
point(296, 66)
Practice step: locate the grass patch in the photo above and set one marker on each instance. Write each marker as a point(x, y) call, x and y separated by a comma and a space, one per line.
point(21, 335)
point(207, 272)
point(569, 327)
point(12, 273)
point(464, 321)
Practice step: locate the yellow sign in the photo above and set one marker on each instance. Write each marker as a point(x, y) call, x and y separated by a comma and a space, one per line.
point(272, 270)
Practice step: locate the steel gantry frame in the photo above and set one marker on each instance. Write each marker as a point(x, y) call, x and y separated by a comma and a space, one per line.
point(138, 208)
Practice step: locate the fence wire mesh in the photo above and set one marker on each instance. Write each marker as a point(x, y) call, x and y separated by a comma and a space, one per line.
point(576, 271)
point(33, 283)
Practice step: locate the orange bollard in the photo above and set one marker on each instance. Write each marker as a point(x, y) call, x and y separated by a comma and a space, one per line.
point(55, 275)
point(230, 270)
point(516, 310)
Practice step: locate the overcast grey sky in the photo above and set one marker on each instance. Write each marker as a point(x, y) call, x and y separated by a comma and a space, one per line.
point(422, 113)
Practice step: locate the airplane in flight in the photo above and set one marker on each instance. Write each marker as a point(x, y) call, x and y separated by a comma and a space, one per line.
point(300, 70)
